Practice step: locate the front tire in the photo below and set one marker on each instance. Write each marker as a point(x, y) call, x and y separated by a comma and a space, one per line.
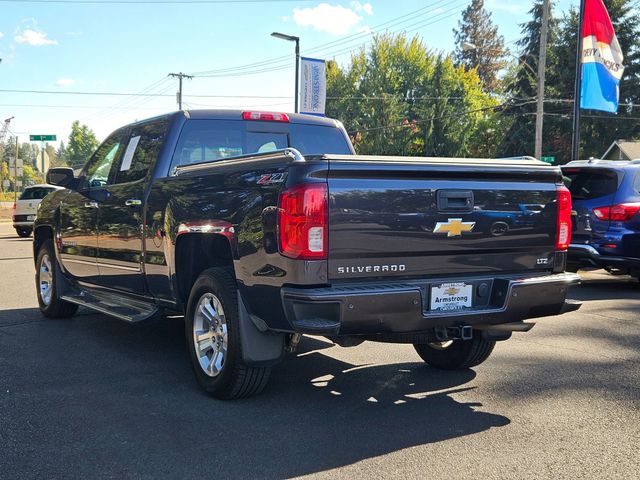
point(213, 339)
point(46, 284)
point(23, 232)
point(456, 354)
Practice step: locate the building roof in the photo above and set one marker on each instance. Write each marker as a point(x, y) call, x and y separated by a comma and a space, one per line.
point(629, 148)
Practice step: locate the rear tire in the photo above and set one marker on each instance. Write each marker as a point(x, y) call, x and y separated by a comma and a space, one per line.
point(23, 232)
point(46, 284)
point(456, 354)
point(213, 338)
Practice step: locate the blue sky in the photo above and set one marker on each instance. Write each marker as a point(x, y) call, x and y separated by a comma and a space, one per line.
point(124, 47)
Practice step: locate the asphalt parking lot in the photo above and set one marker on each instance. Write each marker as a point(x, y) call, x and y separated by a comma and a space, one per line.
point(93, 397)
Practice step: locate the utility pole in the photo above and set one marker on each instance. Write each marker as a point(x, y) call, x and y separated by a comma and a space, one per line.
point(15, 171)
point(542, 63)
point(180, 76)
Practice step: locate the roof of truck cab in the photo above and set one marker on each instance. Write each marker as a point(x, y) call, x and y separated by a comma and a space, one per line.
point(220, 114)
point(215, 114)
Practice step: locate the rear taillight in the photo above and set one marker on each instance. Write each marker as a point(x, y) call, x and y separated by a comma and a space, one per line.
point(563, 231)
point(303, 222)
point(265, 116)
point(617, 213)
point(14, 205)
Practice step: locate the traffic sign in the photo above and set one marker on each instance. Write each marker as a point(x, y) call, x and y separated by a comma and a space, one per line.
point(42, 138)
point(548, 159)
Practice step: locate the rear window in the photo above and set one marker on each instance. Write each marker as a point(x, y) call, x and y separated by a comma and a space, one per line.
point(37, 193)
point(210, 140)
point(588, 183)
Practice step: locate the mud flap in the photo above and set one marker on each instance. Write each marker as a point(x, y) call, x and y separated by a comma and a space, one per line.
point(258, 348)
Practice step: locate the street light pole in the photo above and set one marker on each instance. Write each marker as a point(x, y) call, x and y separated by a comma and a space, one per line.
point(292, 38)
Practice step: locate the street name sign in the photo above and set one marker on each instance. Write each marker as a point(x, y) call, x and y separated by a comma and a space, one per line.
point(548, 159)
point(42, 138)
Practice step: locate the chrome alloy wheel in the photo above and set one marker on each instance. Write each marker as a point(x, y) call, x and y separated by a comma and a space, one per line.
point(210, 334)
point(45, 280)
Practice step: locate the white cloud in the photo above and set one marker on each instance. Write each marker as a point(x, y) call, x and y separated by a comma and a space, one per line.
point(334, 19)
point(36, 38)
point(362, 7)
point(65, 82)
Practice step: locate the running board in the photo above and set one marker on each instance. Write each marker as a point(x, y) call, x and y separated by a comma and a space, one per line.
point(114, 305)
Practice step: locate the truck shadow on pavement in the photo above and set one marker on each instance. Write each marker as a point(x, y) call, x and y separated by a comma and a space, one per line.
point(107, 399)
point(606, 288)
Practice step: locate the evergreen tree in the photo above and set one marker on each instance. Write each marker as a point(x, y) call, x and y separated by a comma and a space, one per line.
point(82, 143)
point(486, 51)
point(61, 155)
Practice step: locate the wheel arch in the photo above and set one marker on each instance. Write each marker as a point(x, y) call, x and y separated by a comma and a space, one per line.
point(197, 252)
point(41, 234)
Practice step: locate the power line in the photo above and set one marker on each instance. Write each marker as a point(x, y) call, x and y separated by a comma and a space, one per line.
point(156, 2)
point(321, 46)
point(128, 94)
point(73, 106)
point(282, 63)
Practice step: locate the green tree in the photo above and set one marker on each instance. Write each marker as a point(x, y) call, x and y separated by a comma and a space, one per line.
point(61, 155)
point(485, 52)
point(81, 145)
point(399, 98)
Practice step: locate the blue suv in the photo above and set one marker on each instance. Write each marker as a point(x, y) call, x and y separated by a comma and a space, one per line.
point(606, 215)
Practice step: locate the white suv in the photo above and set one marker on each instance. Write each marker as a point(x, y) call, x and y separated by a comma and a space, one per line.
point(26, 207)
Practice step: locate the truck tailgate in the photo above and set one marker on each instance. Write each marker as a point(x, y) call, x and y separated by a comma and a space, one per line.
point(408, 217)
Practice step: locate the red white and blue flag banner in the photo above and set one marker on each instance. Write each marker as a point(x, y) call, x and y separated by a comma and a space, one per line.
point(601, 60)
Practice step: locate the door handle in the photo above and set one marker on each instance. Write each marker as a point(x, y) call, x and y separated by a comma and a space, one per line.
point(91, 205)
point(133, 202)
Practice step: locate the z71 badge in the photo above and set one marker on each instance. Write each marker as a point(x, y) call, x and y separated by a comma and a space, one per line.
point(271, 178)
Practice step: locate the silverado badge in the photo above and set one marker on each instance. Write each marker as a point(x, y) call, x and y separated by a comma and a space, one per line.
point(454, 227)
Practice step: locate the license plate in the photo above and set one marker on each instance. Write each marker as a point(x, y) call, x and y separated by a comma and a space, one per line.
point(451, 296)
point(31, 218)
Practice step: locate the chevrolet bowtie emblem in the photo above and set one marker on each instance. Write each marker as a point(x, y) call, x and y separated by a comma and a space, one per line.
point(452, 291)
point(454, 227)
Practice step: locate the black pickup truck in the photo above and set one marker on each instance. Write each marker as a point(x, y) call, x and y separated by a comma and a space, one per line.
point(261, 227)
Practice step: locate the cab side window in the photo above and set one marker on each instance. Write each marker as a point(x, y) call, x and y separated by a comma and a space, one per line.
point(96, 172)
point(141, 151)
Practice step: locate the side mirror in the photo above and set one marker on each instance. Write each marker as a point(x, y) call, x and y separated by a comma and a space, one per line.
point(60, 176)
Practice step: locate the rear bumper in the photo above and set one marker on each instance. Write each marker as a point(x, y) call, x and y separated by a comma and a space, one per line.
point(402, 308)
point(23, 224)
point(588, 257)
